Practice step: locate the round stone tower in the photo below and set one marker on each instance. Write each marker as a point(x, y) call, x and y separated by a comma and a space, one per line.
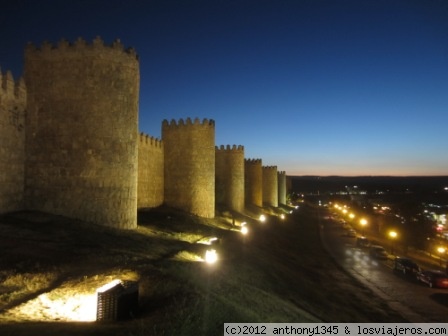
point(82, 131)
point(189, 154)
point(282, 187)
point(270, 186)
point(229, 180)
point(253, 180)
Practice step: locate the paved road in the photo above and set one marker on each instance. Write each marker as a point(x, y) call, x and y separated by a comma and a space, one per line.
point(415, 301)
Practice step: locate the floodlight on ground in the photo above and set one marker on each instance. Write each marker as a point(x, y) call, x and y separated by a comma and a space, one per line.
point(117, 300)
point(211, 256)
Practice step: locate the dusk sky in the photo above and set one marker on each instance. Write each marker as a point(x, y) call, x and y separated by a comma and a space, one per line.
point(314, 87)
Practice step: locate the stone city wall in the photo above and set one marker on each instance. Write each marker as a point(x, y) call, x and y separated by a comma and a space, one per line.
point(69, 144)
point(189, 154)
point(12, 142)
point(281, 176)
point(253, 182)
point(229, 177)
point(150, 172)
point(270, 186)
point(82, 131)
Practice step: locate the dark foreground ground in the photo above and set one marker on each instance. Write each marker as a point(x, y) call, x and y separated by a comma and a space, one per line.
point(50, 267)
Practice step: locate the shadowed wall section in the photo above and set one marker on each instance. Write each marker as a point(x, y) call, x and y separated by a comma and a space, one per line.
point(189, 154)
point(253, 180)
point(82, 131)
point(150, 172)
point(12, 142)
point(270, 186)
point(281, 177)
point(229, 179)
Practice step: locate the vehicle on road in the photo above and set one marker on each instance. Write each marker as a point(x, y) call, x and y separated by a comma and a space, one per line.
point(362, 242)
point(378, 252)
point(433, 278)
point(406, 265)
point(351, 233)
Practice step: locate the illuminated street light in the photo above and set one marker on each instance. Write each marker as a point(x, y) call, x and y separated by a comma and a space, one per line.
point(392, 235)
point(282, 216)
point(262, 218)
point(363, 223)
point(441, 251)
point(351, 215)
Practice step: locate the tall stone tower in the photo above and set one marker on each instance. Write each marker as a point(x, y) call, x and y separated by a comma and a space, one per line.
point(150, 172)
point(12, 142)
point(82, 131)
point(229, 180)
point(270, 186)
point(189, 154)
point(253, 179)
point(281, 187)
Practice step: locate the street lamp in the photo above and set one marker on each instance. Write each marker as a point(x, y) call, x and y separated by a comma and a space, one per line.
point(441, 251)
point(363, 223)
point(392, 235)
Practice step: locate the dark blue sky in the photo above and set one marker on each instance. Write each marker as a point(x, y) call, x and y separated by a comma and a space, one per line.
point(315, 87)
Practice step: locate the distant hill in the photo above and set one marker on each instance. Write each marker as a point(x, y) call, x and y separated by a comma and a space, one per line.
point(324, 184)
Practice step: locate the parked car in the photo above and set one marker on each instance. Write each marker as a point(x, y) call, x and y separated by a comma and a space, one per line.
point(351, 233)
point(362, 242)
point(378, 252)
point(406, 265)
point(433, 278)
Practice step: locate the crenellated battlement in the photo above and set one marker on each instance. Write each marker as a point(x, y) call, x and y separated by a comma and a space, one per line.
point(253, 161)
point(229, 148)
point(270, 167)
point(11, 89)
point(146, 139)
point(80, 45)
point(282, 172)
point(188, 123)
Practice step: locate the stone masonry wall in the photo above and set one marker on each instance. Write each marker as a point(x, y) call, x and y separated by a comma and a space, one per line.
point(82, 131)
point(12, 142)
point(281, 177)
point(253, 179)
point(189, 154)
point(150, 172)
point(229, 179)
point(270, 186)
